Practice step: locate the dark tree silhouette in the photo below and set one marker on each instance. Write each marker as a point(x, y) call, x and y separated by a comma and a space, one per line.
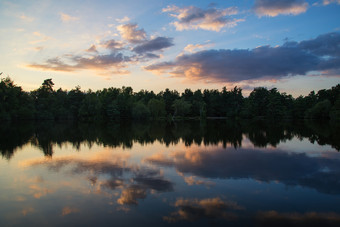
point(114, 104)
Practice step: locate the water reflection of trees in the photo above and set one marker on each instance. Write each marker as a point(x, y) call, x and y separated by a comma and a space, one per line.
point(230, 133)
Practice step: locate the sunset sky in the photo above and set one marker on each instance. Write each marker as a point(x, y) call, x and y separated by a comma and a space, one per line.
point(293, 45)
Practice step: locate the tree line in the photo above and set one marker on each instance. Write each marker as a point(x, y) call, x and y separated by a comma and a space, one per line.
point(123, 103)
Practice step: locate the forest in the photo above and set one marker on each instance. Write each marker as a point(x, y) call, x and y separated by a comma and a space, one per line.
point(112, 104)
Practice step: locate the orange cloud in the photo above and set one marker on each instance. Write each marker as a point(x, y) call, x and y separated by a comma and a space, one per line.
point(26, 18)
point(131, 194)
point(67, 18)
point(39, 191)
point(274, 8)
point(69, 210)
point(194, 47)
point(192, 180)
point(141, 180)
point(194, 209)
point(196, 18)
point(131, 33)
point(27, 210)
point(327, 2)
point(123, 20)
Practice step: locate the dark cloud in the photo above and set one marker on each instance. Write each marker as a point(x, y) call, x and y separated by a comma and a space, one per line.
point(154, 183)
point(323, 45)
point(274, 8)
point(155, 44)
point(290, 59)
point(150, 56)
point(319, 173)
point(112, 45)
point(106, 61)
point(114, 62)
point(274, 218)
point(92, 49)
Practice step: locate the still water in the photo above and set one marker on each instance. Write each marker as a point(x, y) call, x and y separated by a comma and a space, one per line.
point(212, 173)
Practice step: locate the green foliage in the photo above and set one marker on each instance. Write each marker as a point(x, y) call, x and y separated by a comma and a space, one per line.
point(74, 99)
point(334, 113)
point(157, 108)
point(112, 111)
point(181, 107)
point(14, 103)
point(169, 97)
point(140, 111)
point(320, 110)
point(90, 107)
point(259, 100)
point(114, 104)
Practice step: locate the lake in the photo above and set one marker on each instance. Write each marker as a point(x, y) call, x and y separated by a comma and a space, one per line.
point(189, 173)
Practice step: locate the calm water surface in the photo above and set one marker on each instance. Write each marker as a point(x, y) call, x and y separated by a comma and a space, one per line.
point(217, 173)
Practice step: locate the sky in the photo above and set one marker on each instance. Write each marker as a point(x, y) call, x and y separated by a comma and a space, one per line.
point(293, 45)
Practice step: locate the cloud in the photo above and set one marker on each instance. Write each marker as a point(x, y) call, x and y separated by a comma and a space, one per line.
point(192, 17)
point(274, 8)
point(40, 48)
point(327, 45)
point(111, 172)
point(69, 210)
point(42, 38)
point(151, 180)
point(191, 180)
point(112, 45)
point(26, 18)
point(195, 209)
point(155, 44)
point(226, 65)
point(193, 47)
point(92, 49)
point(327, 2)
point(67, 18)
point(123, 20)
point(27, 210)
point(115, 57)
point(150, 56)
point(131, 33)
point(113, 62)
point(319, 173)
point(274, 218)
point(131, 194)
point(38, 191)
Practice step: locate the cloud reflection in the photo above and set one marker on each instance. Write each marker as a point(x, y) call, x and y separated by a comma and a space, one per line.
point(274, 218)
point(194, 209)
point(319, 173)
point(69, 210)
point(114, 173)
